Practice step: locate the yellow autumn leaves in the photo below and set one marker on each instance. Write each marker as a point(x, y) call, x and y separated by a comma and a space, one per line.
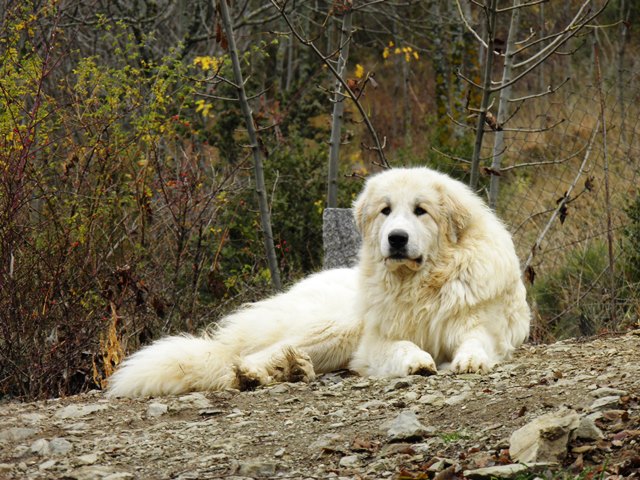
point(207, 64)
point(408, 52)
point(213, 64)
point(391, 49)
point(204, 107)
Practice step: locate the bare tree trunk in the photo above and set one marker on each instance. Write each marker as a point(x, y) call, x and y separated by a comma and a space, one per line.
point(289, 54)
point(462, 53)
point(541, 82)
point(395, 124)
point(581, 19)
point(338, 108)
point(329, 34)
point(490, 23)
point(624, 36)
point(265, 216)
point(607, 191)
point(503, 105)
point(439, 39)
point(406, 113)
point(379, 146)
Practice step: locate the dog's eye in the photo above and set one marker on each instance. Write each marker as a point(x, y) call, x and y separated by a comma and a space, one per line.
point(386, 211)
point(419, 211)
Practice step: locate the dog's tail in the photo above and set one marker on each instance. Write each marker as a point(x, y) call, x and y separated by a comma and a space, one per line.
point(174, 365)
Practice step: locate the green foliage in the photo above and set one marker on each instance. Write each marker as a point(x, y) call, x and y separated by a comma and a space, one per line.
point(298, 171)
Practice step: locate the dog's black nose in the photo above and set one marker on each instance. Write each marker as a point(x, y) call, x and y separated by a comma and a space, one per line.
point(398, 239)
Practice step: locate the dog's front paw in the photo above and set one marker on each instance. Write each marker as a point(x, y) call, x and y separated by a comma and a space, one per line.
point(420, 363)
point(291, 365)
point(475, 361)
point(249, 378)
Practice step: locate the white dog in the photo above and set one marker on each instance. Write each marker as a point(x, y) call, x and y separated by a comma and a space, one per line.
point(438, 281)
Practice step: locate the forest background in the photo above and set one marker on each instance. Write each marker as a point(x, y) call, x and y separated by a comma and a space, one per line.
point(128, 203)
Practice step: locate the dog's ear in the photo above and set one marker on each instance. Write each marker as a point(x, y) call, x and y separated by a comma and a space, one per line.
point(359, 210)
point(456, 215)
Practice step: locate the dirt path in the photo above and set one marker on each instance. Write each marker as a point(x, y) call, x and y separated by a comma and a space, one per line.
point(341, 426)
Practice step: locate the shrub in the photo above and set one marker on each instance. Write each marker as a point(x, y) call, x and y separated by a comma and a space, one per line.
point(575, 298)
point(126, 207)
point(108, 206)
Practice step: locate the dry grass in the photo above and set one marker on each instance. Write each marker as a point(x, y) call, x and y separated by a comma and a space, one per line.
point(574, 253)
point(530, 194)
point(111, 350)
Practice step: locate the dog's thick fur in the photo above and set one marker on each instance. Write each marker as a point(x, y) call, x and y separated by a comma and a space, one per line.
point(438, 282)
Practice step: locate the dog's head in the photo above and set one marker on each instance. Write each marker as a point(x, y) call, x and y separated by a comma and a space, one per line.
point(406, 216)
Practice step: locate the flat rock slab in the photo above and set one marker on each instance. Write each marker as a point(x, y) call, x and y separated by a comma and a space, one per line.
point(406, 427)
point(500, 471)
point(546, 438)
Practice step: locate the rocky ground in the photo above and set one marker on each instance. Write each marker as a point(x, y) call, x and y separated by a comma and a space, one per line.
point(567, 410)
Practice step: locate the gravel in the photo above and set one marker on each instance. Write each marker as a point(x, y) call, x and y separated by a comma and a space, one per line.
point(345, 426)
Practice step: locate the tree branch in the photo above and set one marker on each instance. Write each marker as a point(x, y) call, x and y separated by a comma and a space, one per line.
point(378, 146)
point(541, 94)
point(561, 204)
point(544, 162)
point(562, 41)
point(522, 5)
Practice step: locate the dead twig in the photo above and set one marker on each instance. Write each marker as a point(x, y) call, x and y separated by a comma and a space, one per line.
point(379, 146)
point(563, 202)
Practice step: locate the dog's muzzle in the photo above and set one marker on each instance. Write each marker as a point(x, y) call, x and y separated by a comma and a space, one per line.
point(398, 240)
point(398, 254)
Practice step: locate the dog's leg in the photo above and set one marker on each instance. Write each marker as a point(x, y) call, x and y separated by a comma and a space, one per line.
point(475, 354)
point(280, 363)
point(379, 357)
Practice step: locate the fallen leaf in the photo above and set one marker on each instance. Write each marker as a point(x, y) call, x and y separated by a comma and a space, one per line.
point(407, 475)
point(520, 413)
point(530, 274)
point(583, 448)
point(578, 465)
point(504, 457)
point(613, 414)
point(362, 445)
point(492, 171)
point(620, 436)
point(448, 473)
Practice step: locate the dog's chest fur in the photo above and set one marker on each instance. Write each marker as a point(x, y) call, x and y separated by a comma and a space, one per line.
point(407, 307)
